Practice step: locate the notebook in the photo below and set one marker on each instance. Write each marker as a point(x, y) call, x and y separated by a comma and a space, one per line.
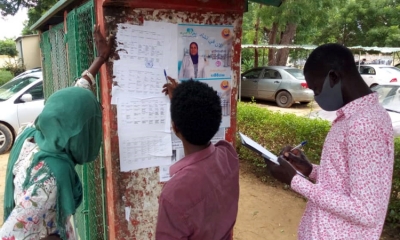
point(254, 146)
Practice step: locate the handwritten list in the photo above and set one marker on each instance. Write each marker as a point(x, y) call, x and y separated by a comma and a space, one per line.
point(142, 109)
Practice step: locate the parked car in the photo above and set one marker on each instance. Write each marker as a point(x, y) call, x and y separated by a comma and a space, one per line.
point(21, 101)
point(284, 85)
point(379, 74)
point(33, 70)
point(389, 97)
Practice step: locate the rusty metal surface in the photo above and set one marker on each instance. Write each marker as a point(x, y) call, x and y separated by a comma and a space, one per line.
point(220, 6)
point(139, 190)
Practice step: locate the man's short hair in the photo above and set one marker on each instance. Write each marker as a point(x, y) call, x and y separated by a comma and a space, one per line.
point(330, 56)
point(196, 111)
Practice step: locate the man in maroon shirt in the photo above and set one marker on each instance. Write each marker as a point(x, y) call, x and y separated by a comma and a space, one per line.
point(200, 201)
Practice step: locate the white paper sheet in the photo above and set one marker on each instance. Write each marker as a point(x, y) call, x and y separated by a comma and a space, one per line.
point(142, 109)
point(178, 153)
point(259, 148)
point(142, 46)
point(144, 150)
point(142, 114)
point(139, 82)
point(127, 213)
point(115, 93)
point(265, 153)
point(171, 33)
point(164, 173)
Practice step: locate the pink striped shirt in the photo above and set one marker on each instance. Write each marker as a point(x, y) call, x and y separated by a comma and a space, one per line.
point(350, 197)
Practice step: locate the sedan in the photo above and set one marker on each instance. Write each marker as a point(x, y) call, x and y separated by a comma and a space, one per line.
point(389, 97)
point(21, 101)
point(284, 85)
point(379, 74)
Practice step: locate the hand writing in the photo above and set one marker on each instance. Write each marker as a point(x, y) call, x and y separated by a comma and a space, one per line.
point(297, 159)
point(169, 88)
point(283, 172)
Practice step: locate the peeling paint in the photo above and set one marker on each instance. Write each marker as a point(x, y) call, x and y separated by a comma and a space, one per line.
point(139, 190)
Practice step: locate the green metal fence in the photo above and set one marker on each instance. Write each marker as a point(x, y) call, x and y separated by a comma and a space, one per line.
point(61, 67)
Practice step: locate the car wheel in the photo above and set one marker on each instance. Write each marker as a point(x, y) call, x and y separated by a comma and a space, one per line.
point(6, 138)
point(373, 85)
point(284, 99)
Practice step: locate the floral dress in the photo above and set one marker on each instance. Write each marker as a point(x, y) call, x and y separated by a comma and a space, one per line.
point(34, 215)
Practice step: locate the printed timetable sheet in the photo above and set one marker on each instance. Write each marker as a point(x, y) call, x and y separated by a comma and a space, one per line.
point(142, 109)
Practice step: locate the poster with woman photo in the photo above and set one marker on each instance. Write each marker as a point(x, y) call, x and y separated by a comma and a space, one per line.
point(204, 51)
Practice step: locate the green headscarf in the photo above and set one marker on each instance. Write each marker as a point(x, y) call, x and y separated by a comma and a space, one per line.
point(67, 132)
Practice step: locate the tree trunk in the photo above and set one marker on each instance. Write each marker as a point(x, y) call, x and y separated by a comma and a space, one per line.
point(255, 41)
point(272, 41)
point(286, 39)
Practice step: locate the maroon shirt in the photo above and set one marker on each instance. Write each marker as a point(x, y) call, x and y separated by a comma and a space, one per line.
point(200, 201)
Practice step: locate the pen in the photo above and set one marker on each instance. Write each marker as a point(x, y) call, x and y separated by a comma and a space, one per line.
point(300, 145)
point(165, 74)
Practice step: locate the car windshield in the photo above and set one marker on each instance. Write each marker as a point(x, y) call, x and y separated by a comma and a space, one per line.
point(389, 97)
point(14, 86)
point(297, 73)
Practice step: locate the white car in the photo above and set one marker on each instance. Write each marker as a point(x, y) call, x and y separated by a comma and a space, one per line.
point(379, 74)
point(21, 101)
point(389, 97)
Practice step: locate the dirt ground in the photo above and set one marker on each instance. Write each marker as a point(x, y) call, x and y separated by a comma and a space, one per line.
point(266, 212)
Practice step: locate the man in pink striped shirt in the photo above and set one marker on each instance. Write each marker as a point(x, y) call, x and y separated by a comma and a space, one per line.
point(350, 189)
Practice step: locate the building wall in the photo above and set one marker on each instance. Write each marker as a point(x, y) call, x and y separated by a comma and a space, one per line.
point(4, 59)
point(30, 51)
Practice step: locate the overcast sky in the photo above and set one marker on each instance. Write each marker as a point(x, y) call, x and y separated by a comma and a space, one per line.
point(11, 26)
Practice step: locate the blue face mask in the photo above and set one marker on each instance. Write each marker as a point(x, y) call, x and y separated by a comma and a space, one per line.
point(330, 98)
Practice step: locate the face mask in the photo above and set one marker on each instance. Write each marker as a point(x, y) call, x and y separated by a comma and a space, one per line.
point(330, 98)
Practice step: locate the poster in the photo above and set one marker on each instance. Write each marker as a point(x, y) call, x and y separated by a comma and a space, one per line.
point(223, 89)
point(204, 51)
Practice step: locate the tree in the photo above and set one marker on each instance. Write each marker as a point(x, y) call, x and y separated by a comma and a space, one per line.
point(36, 10)
point(11, 7)
point(364, 22)
point(7, 47)
point(293, 23)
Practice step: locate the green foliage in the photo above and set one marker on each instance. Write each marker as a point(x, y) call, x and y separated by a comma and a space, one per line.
point(34, 14)
point(36, 10)
point(393, 216)
point(11, 7)
point(7, 47)
point(363, 22)
point(275, 130)
point(26, 30)
point(349, 22)
point(5, 76)
point(14, 67)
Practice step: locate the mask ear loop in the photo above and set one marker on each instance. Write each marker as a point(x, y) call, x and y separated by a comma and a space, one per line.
point(326, 78)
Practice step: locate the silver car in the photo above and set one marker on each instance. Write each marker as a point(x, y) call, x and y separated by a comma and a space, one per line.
point(284, 85)
point(21, 101)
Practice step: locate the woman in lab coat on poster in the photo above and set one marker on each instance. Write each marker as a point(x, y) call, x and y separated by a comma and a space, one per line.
point(193, 66)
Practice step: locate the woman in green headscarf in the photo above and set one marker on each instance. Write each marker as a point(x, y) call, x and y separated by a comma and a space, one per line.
point(42, 187)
